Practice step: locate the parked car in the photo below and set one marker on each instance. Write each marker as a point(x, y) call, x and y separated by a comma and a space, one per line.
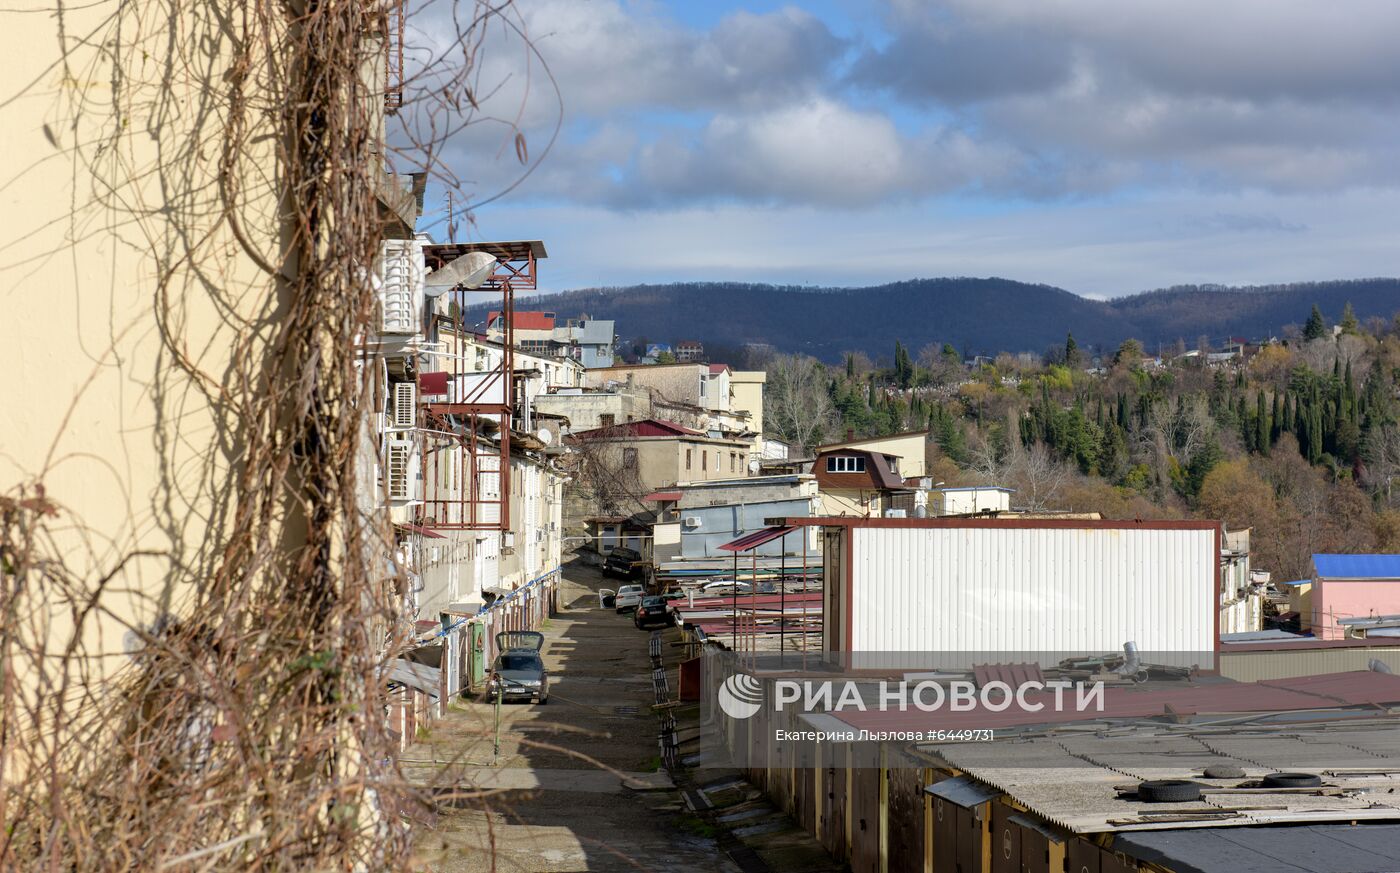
point(628, 598)
point(726, 587)
point(653, 612)
point(518, 671)
point(625, 563)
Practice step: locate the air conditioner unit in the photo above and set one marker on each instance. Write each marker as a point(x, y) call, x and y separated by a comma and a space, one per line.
point(402, 467)
point(405, 404)
point(401, 274)
point(690, 522)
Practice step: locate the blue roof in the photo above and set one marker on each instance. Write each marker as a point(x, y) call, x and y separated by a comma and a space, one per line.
point(1357, 566)
point(1297, 582)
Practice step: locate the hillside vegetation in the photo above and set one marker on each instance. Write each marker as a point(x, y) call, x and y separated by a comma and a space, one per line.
point(976, 316)
point(1300, 441)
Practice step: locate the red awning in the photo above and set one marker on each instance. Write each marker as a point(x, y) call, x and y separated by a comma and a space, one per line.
point(663, 496)
point(419, 529)
point(757, 538)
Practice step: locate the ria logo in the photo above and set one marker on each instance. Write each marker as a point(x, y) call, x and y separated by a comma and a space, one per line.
point(740, 695)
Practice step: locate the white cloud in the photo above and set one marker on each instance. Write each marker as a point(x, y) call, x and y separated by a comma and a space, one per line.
point(1098, 145)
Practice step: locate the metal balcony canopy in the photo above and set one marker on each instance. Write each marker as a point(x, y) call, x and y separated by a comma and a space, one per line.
point(515, 250)
point(753, 540)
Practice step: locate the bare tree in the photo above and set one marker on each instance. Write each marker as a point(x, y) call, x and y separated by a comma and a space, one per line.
point(607, 477)
point(1382, 455)
point(1036, 476)
point(798, 407)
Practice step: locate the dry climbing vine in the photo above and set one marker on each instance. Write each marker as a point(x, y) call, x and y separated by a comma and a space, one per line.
point(241, 147)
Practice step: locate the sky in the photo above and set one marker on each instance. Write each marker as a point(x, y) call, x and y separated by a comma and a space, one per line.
point(1100, 146)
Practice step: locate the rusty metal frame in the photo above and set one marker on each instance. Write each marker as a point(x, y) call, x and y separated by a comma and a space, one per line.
point(393, 55)
point(462, 422)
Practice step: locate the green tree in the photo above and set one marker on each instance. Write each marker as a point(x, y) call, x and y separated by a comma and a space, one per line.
point(1073, 356)
point(1261, 425)
point(1349, 323)
point(903, 366)
point(1130, 353)
point(1316, 328)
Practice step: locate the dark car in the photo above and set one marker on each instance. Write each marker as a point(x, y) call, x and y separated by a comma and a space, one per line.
point(625, 563)
point(653, 612)
point(518, 673)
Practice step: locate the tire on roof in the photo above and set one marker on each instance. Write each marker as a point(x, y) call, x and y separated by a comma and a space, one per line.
point(1292, 780)
point(1168, 791)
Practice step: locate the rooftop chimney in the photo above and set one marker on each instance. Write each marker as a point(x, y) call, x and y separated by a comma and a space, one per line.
point(850, 434)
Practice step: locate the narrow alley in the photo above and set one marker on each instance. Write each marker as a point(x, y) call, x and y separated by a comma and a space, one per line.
point(577, 784)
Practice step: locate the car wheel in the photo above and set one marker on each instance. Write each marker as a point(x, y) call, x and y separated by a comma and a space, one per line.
point(1168, 791)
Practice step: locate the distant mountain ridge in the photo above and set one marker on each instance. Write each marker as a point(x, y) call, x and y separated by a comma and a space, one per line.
point(975, 315)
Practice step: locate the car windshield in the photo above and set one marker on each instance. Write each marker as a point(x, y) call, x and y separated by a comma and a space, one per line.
point(519, 662)
point(653, 601)
point(630, 589)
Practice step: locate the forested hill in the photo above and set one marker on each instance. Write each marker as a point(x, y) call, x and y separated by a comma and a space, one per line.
point(976, 315)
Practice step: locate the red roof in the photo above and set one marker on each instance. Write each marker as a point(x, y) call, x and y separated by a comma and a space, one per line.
point(527, 320)
point(647, 427)
point(718, 368)
point(757, 538)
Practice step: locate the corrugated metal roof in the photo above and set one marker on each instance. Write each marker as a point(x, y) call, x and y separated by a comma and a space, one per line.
point(756, 538)
point(1078, 780)
point(1330, 848)
point(962, 791)
point(1328, 691)
point(1357, 566)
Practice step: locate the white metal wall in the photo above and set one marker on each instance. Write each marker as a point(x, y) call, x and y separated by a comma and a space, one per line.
point(1033, 589)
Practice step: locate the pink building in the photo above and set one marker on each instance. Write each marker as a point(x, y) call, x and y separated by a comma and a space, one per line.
point(1348, 589)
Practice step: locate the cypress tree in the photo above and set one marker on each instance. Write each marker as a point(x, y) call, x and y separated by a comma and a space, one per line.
point(1261, 424)
point(1276, 421)
point(1316, 328)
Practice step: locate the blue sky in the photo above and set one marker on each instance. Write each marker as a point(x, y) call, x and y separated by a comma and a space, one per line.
point(1103, 147)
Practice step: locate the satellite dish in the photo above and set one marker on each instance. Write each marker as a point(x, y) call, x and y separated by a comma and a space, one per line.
point(544, 436)
point(755, 466)
point(469, 271)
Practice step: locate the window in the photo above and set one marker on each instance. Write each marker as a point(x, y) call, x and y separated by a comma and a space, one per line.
point(845, 465)
point(704, 459)
point(702, 387)
point(733, 462)
point(607, 420)
point(629, 459)
point(687, 459)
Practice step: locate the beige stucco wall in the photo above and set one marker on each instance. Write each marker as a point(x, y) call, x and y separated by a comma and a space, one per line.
point(909, 448)
point(746, 393)
point(676, 382)
point(849, 502)
point(585, 410)
point(96, 207)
